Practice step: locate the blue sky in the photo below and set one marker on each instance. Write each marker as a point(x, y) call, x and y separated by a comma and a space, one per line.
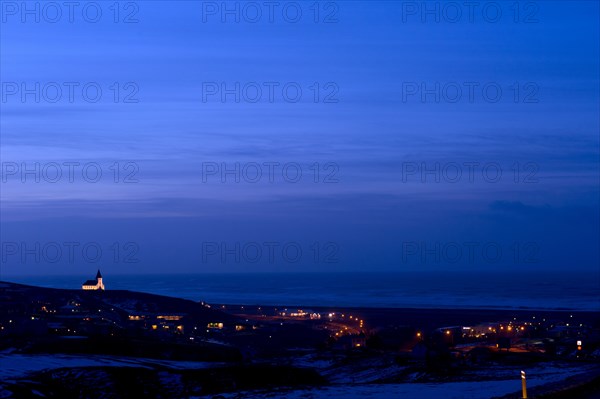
point(369, 139)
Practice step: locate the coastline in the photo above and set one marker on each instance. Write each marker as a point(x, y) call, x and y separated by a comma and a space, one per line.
point(378, 314)
point(426, 317)
point(421, 290)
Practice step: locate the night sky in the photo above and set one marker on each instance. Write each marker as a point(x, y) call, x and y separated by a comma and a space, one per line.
point(398, 139)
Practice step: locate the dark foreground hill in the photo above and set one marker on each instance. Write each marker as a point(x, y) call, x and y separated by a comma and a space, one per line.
point(16, 298)
point(126, 323)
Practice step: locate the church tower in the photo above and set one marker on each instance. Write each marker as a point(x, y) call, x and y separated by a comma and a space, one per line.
point(99, 283)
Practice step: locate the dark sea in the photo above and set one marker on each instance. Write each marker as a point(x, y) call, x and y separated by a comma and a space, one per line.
point(574, 291)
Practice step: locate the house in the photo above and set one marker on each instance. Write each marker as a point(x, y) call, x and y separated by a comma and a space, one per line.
point(348, 342)
point(96, 284)
point(359, 341)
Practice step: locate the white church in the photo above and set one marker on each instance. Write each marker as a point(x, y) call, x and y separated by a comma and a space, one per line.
point(96, 284)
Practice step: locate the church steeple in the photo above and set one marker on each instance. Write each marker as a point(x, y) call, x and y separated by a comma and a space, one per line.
point(98, 275)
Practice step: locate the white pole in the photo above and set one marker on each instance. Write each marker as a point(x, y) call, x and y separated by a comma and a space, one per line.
point(524, 384)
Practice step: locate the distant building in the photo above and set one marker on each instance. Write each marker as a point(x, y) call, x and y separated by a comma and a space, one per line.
point(94, 284)
point(301, 314)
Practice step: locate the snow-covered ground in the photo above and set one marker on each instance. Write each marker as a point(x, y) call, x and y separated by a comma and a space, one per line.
point(17, 365)
point(447, 390)
point(451, 390)
point(496, 381)
point(336, 371)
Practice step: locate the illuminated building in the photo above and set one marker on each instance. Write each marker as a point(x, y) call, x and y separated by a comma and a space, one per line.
point(96, 284)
